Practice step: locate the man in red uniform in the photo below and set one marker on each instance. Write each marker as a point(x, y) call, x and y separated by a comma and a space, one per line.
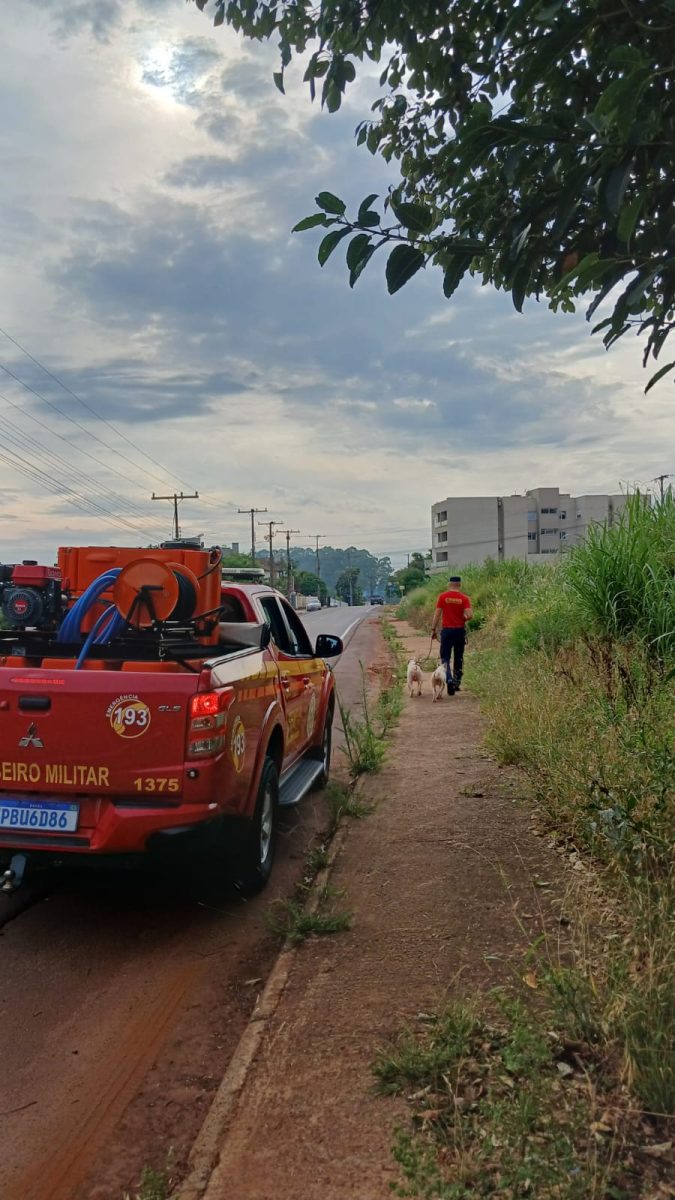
point(453, 610)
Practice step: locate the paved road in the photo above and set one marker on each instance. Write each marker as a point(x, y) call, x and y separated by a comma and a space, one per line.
point(336, 620)
point(122, 998)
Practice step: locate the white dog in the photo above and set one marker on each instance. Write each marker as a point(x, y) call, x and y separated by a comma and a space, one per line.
point(438, 681)
point(414, 676)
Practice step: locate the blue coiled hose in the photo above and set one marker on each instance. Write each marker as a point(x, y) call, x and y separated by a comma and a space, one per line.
point(108, 625)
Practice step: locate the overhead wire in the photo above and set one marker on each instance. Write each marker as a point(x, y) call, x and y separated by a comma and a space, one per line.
point(99, 417)
point(26, 441)
point(57, 487)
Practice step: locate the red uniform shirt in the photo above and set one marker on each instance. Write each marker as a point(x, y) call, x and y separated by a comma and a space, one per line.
point(452, 605)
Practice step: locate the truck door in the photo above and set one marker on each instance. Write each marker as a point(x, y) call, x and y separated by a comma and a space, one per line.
point(292, 677)
point(313, 674)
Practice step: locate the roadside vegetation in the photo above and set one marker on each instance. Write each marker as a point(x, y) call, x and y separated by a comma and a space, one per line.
point(575, 669)
point(367, 734)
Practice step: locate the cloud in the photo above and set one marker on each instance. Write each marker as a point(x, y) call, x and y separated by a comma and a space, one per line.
point(157, 275)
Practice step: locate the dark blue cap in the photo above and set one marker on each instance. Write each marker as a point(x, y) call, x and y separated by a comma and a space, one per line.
point(455, 579)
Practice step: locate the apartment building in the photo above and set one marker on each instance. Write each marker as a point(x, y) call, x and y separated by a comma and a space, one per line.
point(533, 527)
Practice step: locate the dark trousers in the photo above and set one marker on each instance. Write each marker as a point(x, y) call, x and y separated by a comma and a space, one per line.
point(453, 642)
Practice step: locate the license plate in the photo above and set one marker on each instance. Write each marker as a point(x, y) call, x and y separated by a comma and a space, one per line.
point(35, 816)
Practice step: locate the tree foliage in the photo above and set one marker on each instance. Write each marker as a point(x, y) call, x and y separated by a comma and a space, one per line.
point(534, 142)
point(347, 586)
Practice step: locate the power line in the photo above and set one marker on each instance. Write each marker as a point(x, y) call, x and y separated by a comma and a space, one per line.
point(31, 443)
point(94, 413)
point(289, 567)
point(79, 425)
point(23, 467)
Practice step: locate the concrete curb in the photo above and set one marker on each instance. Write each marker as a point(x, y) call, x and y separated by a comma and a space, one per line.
point(206, 1147)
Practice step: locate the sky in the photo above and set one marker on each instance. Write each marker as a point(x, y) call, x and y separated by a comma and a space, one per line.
point(151, 177)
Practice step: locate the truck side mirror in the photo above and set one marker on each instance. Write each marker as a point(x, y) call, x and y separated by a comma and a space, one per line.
point(328, 646)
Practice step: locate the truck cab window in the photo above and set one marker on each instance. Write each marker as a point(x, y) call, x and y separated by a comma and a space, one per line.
point(280, 631)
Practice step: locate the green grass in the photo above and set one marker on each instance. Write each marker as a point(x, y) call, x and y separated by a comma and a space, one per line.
point(154, 1185)
point(366, 734)
point(574, 665)
point(291, 920)
point(501, 1105)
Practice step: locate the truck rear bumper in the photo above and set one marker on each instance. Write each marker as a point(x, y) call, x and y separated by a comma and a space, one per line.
point(122, 829)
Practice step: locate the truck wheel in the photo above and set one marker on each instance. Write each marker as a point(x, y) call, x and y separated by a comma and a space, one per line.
point(253, 851)
point(325, 749)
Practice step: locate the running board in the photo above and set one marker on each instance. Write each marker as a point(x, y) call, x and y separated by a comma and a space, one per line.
point(298, 781)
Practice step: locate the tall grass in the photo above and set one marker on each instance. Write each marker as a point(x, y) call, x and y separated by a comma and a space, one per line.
point(575, 667)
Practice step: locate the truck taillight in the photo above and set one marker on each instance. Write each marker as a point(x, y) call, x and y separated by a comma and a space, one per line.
point(208, 711)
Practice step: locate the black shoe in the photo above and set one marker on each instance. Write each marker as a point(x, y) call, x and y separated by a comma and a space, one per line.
point(451, 688)
point(458, 685)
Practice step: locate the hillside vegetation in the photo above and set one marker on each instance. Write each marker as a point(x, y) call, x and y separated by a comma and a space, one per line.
point(575, 668)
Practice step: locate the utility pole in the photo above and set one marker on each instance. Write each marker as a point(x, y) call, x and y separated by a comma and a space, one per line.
point(351, 579)
point(316, 537)
point(269, 537)
point(661, 479)
point(174, 498)
point(252, 513)
point(288, 532)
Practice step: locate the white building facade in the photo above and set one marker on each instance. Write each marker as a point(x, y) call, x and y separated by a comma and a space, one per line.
point(534, 527)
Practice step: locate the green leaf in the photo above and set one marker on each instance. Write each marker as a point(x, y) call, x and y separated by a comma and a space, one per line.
point(330, 203)
point(415, 217)
point(220, 15)
point(310, 222)
point(356, 249)
point(455, 273)
point(278, 78)
point(369, 218)
point(628, 219)
point(365, 258)
point(329, 243)
point(364, 206)
point(402, 264)
point(659, 375)
point(615, 185)
point(519, 288)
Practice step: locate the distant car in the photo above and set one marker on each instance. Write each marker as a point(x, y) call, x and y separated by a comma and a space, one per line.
point(377, 600)
point(313, 604)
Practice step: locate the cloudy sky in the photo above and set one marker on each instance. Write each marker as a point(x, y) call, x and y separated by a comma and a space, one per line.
point(151, 176)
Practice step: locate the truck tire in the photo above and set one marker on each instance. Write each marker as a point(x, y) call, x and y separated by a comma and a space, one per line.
point(252, 851)
point(325, 748)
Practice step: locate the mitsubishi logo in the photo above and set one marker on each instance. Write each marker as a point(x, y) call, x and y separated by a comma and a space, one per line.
point(32, 738)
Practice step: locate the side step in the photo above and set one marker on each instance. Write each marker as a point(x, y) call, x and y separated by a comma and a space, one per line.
point(298, 781)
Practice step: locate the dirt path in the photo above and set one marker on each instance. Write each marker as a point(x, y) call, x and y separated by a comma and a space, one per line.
point(440, 879)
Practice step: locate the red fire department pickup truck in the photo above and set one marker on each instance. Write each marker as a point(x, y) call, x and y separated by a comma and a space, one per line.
point(148, 706)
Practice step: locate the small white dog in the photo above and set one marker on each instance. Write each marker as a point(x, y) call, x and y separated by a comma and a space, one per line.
point(438, 681)
point(414, 676)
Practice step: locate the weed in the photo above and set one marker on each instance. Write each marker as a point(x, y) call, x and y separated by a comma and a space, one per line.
point(493, 1114)
point(291, 919)
point(154, 1185)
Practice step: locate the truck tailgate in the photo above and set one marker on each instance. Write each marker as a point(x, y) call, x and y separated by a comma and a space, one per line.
point(93, 732)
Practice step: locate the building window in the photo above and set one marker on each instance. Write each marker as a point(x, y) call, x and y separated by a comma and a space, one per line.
point(531, 537)
point(441, 556)
point(563, 514)
point(545, 531)
point(549, 550)
point(563, 535)
point(551, 511)
point(532, 516)
point(441, 537)
point(441, 517)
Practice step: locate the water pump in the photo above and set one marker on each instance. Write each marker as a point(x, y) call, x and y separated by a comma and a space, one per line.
point(30, 595)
